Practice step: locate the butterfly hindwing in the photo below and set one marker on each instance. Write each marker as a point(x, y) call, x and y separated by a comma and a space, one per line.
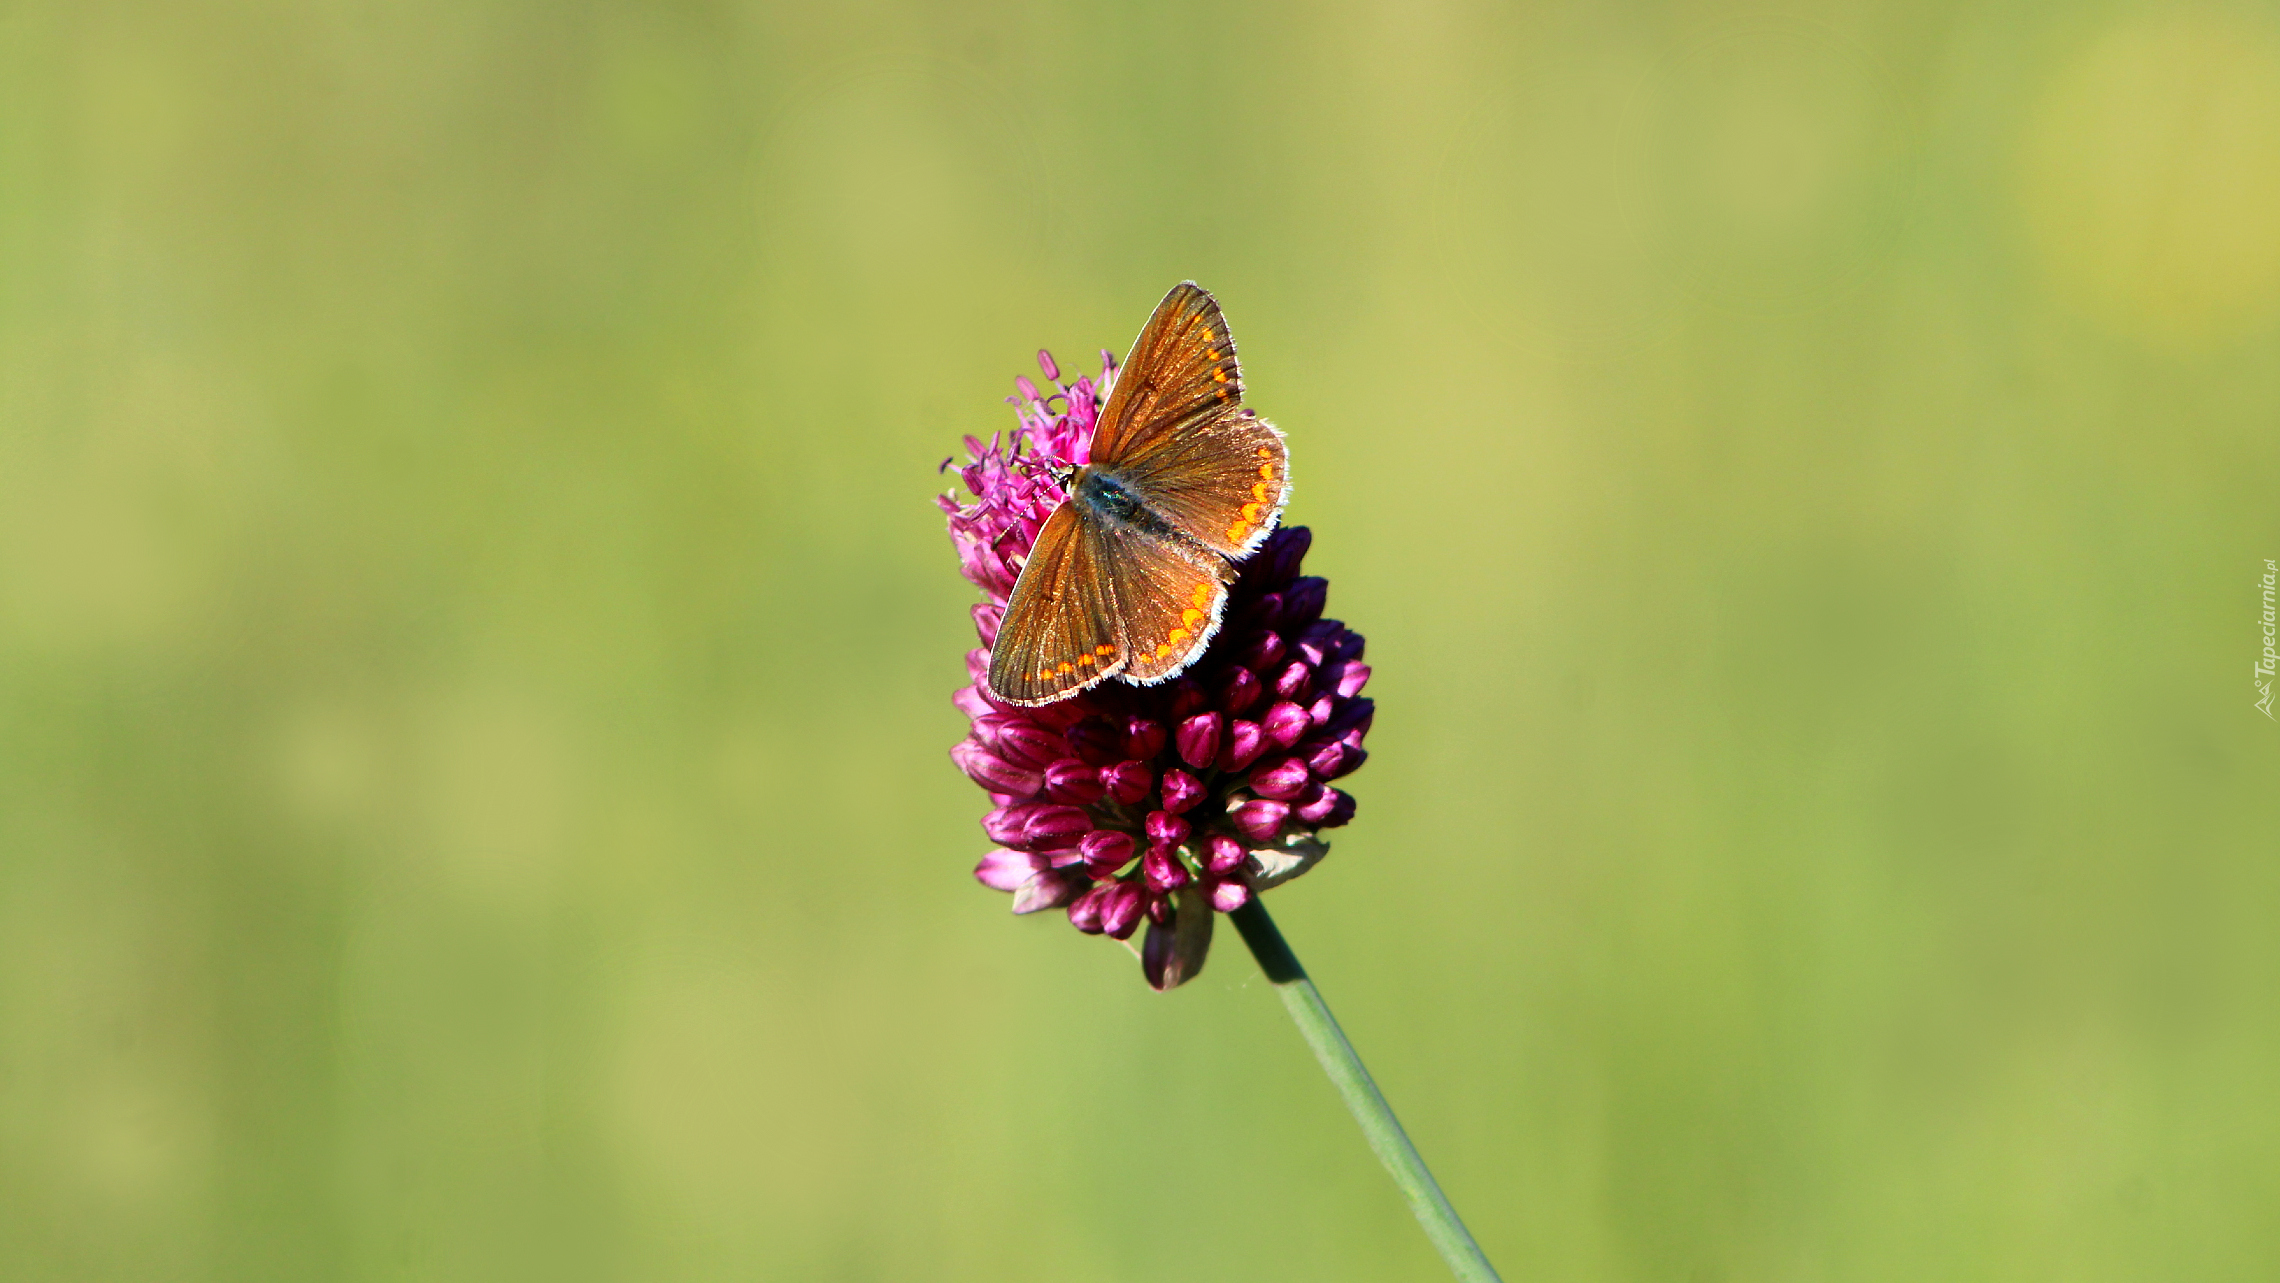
point(1168, 599)
point(1060, 633)
point(1181, 370)
point(1222, 483)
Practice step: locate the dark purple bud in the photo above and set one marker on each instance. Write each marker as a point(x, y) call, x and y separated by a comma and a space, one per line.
point(1281, 779)
point(987, 617)
point(1097, 740)
point(1260, 820)
point(1198, 739)
point(1128, 782)
point(1295, 682)
point(993, 772)
point(1333, 760)
point(1286, 550)
point(1352, 675)
point(1286, 724)
point(1318, 641)
point(1106, 850)
point(1245, 741)
point(1350, 716)
point(1163, 869)
point(1025, 743)
point(1304, 599)
point(1159, 912)
point(1238, 690)
point(1048, 890)
point(1070, 780)
point(1181, 790)
point(1188, 698)
point(1222, 854)
point(1084, 914)
point(1119, 909)
point(1055, 828)
point(1349, 645)
point(1230, 894)
point(1143, 739)
point(1045, 363)
point(1267, 611)
point(1264, 653)
point(1003, 870)
point(1330, 810)
point(1324, 707)
point(1167, 829)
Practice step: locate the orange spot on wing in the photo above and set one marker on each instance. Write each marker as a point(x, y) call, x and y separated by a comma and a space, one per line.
point(1259, 491)
point(1163, 650)
point(1190, 617)
point(1266, 472)
point(1266, 452)
point(1087, 661)
point(1180, 635)
point(1065, 667)
point(1201, 595)
point(1104, 649)
point(1220, 375)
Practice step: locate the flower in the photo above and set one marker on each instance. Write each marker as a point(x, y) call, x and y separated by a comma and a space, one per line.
point(1164, 804)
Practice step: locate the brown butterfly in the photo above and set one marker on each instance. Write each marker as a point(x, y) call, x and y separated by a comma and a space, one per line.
point(1129, 575)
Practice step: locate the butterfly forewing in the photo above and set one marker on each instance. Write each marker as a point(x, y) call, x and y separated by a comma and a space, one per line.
point(1181, 369)
point(1060, 633)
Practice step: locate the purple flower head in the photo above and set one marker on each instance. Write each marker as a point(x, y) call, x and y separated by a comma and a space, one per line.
point(1157, 806)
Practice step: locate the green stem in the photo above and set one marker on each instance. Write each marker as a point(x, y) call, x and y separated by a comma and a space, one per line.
point(1362, 1095)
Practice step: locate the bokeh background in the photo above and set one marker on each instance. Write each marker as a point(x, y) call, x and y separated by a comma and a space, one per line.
point(475, 637)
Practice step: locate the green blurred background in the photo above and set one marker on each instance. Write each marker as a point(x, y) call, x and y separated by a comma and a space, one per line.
point(476, 641)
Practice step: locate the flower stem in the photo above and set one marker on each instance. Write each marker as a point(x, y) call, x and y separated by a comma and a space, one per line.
point(1362, 1095)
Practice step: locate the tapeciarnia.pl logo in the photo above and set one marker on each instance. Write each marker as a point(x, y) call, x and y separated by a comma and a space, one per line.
point(2266, 663)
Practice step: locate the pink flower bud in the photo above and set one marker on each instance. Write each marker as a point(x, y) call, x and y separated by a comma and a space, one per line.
point(1229, 895)
point(1070, 780)
point(1119, 909)
point(1260, 820)
point(1198, 739)
point(1282, 778)
point(1143, 739)
point(1166, 829)
point(993, 772)
point(1181, 791)
point(1106, 851)
point(1128, 782)
point(1286, 724)
point(1245, 741)
point(1222, 854)
point(1163, 870)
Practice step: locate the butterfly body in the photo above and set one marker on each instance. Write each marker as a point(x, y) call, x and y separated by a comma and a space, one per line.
point(1128, 577)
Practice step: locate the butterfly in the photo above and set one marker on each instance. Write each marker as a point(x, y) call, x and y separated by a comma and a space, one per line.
point(1129, 576)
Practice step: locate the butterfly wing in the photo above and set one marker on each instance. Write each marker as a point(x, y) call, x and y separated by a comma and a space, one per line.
point(1169, 600)
point(1181, 369)
point(1222, 482)
point(1059, 634)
